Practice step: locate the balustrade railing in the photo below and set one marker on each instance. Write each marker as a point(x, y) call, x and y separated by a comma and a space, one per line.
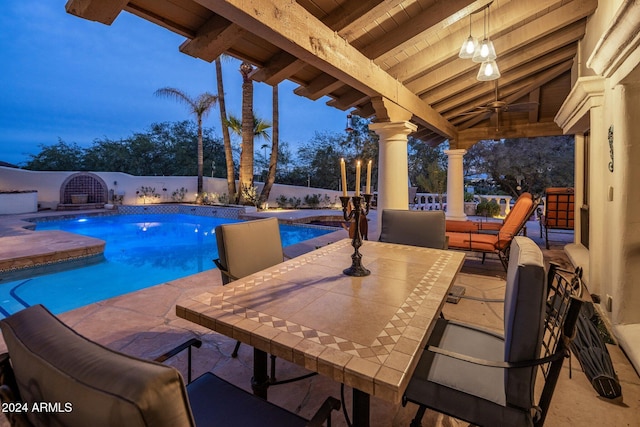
point(432, 202)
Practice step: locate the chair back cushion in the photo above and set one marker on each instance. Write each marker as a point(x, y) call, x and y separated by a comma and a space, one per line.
point(524, 315)
point(415, 228)
point(248, 247)
point(94, 386)
point(517, 218)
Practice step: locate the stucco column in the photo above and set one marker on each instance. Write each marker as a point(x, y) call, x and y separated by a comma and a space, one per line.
point(455, 185)
point(393, 166)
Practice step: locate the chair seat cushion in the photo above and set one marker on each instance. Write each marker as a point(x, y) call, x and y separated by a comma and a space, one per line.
point(215, 402)
point(473, 242)
point(469, 391)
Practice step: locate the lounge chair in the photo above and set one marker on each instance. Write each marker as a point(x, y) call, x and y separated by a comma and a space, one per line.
point(488, 379)
point(74, 382)
point(496, 242)
point(488, 226)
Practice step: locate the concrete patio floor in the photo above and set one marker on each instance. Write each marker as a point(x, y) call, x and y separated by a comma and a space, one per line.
point(144, 324)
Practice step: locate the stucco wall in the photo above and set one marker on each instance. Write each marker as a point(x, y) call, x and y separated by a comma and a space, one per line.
point(48, 186)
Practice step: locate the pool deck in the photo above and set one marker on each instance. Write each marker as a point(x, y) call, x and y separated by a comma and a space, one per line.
point(144, 324)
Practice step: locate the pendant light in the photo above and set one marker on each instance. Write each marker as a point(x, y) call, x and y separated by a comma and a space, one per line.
point(485, 51)
point(469, 46)
point(488, 71)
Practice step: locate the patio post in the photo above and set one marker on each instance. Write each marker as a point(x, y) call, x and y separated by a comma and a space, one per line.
point(455, 185)
point(393, 168)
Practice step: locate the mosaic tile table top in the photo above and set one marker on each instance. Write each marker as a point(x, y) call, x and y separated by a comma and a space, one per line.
point(362, 331)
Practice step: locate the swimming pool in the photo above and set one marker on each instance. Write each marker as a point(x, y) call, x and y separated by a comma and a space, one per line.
point(141, 251)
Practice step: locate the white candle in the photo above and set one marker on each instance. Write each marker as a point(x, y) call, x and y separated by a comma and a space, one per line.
point(343, 170)
point(368, 188)
point(358, 178)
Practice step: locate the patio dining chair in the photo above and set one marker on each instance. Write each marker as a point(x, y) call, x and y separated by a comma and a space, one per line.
point(418, 228)
point(81, 383)
point(415, 228)
point(488, 379)
point(245, 248)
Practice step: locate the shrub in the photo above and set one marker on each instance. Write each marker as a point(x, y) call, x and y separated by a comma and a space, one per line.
point(312, 200)
point(489, 208)
point(179, 194)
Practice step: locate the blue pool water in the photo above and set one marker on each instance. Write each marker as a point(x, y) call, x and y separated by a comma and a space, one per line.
point(141, 251)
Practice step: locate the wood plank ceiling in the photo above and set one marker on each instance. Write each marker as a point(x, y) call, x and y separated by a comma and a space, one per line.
point(402, 50)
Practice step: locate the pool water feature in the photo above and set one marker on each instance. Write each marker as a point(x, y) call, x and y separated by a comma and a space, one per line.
point(141, 251)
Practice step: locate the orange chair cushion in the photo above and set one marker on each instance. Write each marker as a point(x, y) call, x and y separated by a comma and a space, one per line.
point(473, 242)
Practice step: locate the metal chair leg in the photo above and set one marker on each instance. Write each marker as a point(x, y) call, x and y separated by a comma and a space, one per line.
point(417, 420)
point(235, 350)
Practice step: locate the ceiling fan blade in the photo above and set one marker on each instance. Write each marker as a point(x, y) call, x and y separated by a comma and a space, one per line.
point(522, 106)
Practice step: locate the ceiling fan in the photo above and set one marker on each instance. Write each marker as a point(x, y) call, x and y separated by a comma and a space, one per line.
point(496, 107)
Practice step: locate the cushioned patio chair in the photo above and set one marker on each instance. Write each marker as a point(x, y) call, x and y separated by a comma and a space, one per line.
point(414, 228)
point(496, 242)
point(488, 379)
point(82, 384)
point(245, 248)
point(418, 228)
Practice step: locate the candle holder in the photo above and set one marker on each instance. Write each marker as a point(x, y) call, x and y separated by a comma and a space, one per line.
point(358, 213)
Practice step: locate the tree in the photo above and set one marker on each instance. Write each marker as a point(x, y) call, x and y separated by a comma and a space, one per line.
point(200, 107)
point(435, 180)
point(58, 157)
point(273, 160)
point(260, 131)
point(248, 123)
point(228, 151)
point(527, 164)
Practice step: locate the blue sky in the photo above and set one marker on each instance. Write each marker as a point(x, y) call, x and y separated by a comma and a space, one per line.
point(67, 78)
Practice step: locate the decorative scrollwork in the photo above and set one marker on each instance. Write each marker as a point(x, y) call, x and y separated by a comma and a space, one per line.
point(611, 148)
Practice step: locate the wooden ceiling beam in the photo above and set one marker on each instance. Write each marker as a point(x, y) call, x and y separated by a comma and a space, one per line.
point(352, 15)
point(443, 79)
point(290, 27)
point(468, 137)
point(96, 10)
point(435, 18)
point(321, 86)
point(280, 67)
point(537, 82)
point(485, 93)
point(213, 39)
point(348, 100)
point(504, 19)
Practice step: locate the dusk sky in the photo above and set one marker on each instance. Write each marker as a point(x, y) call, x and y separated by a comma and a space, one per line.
point(67, 78)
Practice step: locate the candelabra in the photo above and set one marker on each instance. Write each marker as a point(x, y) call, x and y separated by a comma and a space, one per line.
point(358, 213)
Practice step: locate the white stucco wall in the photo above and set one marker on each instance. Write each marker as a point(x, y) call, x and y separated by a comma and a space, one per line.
point(48, 186)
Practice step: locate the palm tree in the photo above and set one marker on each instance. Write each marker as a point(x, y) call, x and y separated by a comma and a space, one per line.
point(199, 106)
point(228, 152)
point(273, 160)
point(246, 155)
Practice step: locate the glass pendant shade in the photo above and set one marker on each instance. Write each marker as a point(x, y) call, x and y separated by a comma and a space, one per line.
point(468, 48)
point(488, 71)
point(484, 52)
